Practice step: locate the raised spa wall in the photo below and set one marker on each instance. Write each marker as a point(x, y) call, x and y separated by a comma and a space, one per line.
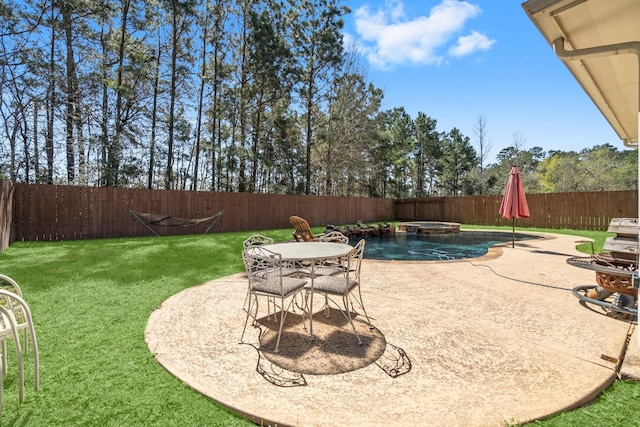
point(414, 227)
point(360, 229)
point(428, 227)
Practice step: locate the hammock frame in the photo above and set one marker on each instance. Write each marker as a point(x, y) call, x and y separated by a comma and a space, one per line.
point(149, 219)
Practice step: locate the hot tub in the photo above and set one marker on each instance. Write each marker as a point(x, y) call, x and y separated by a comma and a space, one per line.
point(428, 227)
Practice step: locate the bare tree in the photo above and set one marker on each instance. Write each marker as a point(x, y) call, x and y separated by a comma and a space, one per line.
point(484, 146)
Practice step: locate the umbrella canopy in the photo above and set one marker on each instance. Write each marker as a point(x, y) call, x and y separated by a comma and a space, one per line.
point(514, 202)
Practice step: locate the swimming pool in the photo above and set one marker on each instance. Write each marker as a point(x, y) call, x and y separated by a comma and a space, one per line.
point(434, 247)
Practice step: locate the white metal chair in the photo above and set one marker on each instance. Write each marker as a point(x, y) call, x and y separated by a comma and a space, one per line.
point(334, 236)
point(345, 286)
point(335, 266)
point(18, 316)
point(251, 241)
point(257, 240)
point(266, 279)
point(9, 284)
point(9, 331)
point(260, 240)
point(331, 266)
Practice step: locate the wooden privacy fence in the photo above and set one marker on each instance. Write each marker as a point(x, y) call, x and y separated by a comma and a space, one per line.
point(55, 212)
point(577, 211)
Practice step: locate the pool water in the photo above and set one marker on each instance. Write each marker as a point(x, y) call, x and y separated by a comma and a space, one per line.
point(433, 247)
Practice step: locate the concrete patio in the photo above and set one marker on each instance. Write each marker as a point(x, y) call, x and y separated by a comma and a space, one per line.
point(482, 342)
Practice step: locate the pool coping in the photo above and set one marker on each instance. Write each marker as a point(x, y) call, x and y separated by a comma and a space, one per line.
point(493, 252)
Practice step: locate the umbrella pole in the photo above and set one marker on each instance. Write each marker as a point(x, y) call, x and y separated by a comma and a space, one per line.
point(513, 232)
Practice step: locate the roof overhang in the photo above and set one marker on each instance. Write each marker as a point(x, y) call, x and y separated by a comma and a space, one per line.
point(599, 42)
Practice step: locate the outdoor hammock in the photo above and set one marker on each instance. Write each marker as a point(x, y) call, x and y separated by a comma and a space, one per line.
point(148, 219)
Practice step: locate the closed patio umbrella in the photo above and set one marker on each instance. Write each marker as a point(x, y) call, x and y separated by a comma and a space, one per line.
point(514, 203)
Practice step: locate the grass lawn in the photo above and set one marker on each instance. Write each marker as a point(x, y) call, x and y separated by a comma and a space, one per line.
point(90, 302)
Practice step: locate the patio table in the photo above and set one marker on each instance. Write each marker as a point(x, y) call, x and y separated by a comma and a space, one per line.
point(313, 253)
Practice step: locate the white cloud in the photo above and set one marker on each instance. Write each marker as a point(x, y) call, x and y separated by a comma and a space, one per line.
point(470, 44)
point(387, 36)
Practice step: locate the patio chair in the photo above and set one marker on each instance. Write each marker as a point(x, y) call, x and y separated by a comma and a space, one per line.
point(302, 231)
point(260, 240)
point(9, 331)
point(345, 286)
point(11, 285)
point(334, 236)
point(15, 316)
point(257, 240)
point(251, 241)
point(334, 266)
point(266, 280)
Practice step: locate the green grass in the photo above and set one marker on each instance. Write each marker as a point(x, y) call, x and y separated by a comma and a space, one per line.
point(91, 301)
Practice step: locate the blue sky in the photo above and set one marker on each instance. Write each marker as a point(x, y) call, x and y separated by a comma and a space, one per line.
point(458, 60)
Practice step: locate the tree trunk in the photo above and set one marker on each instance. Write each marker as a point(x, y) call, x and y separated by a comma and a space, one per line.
point(154, 119)
point(255, 148)
point(25, 143)
point(115, 148)
point(72, 91)
point(215, 141)
point(194, 181)
point(307, 185)
point(104, 133)
point(168, 176)
point(51, 106)
point(36, 153)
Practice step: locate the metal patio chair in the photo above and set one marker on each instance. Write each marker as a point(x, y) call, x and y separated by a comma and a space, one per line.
point(346, 286)
point(266, 280)
point(332, 266)
point(15, 316)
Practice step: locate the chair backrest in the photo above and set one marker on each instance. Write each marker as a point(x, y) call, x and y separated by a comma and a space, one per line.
point(9, 331)
point(263, 267)
point(257, 240)
point(7, 283)
point(8, 327)
point(334, 236)
point(18, 307)
point(248, 262)
point(253, 241)
point(10, 285)
point(16, 313)
point(355, 260)
point(303, 232)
